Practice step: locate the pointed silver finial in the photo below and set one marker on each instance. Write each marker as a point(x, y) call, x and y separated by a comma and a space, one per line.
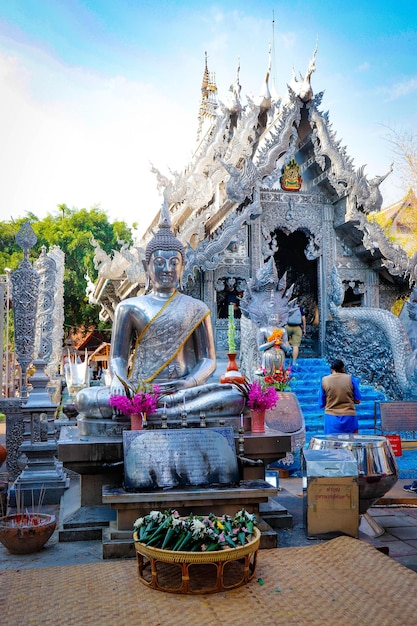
point(165, 216)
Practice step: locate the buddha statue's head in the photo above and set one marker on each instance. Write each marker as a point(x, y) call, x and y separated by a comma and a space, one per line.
point(162, 247)
point(164, 238)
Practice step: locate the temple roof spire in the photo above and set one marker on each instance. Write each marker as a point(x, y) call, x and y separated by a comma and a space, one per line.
point(303, 87)
point(208, 103)
point(235, 105)
point(265, 98)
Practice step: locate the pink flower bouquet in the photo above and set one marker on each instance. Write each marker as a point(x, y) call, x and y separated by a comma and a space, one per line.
point(143, 399)
point(261, 398)
point(258, 396)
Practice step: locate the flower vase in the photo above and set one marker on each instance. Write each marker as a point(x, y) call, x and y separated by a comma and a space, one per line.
point(136, 421)
point(232, 373)
point(258, 421)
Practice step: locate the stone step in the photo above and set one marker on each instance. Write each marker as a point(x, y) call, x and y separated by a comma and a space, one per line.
point(81, 534)
point(86, 524)
point(89, 516)
point(276, 515)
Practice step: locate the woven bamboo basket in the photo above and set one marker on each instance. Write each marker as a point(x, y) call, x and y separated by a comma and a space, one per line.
point(197, 572)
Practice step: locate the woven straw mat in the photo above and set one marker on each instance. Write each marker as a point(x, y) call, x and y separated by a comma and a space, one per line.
point(341, 582)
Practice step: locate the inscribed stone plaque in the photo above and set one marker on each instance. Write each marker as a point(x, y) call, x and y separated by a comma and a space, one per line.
point(155, 459)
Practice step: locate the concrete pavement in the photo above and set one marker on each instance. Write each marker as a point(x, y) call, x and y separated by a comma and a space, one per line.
point(396, 513)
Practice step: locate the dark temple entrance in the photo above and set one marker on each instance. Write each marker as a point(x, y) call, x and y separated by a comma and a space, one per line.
point(301, 272)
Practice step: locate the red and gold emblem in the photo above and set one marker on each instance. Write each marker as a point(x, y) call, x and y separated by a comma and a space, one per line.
point(291, 179)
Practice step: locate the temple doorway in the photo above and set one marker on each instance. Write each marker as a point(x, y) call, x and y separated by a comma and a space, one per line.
point(290, 257)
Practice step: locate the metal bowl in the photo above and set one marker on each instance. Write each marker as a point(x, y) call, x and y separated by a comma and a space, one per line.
point(377, 466)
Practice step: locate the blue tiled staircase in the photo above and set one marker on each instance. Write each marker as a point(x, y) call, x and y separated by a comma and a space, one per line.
point(306, 383)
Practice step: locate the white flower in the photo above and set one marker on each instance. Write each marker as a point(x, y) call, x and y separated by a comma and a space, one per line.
point(197, 524)
point(139, 522)
point(155, 515)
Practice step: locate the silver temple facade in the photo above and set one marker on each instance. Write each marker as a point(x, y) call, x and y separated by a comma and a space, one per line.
point(270, 178)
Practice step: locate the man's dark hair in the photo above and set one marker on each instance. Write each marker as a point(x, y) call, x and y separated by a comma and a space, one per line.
point(337, 366)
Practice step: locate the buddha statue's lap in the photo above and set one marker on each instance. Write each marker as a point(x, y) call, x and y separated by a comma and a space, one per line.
point(174, 343)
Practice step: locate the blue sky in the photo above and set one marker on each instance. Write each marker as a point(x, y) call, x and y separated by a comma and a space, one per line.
point(94, 91)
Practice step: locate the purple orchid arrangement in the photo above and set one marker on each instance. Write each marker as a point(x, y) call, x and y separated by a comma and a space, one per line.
point(142, 399)
point(258, 396)
point(261, 398)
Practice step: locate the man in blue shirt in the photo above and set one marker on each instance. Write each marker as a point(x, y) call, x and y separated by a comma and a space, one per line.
point(339, 393)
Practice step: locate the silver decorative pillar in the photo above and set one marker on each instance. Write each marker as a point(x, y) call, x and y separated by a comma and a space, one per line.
point(25, 289)
point(43, 473)
point(50, 315)
point(53, 369)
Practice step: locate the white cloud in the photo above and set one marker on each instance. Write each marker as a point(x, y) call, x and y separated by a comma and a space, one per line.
point(90, 143)
point(401, 89)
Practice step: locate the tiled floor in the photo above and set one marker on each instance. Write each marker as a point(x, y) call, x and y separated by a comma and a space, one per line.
point(396, 513)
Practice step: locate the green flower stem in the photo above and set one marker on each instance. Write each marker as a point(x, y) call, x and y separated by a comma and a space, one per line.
point(160, 529)
point(228, 526)
point(230, 541)
point(249, 526)
point(183, 543)
point(155, 539)
point(168, 537)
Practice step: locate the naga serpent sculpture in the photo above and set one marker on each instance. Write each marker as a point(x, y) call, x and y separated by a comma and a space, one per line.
point(399, 379)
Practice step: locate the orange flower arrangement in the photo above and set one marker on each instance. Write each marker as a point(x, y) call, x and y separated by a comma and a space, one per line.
point(276, 336)
point(280, 379)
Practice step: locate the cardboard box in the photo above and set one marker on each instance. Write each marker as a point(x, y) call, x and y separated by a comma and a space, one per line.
point(332, 506)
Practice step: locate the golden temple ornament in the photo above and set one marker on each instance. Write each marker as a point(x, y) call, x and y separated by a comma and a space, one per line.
point(291, 179)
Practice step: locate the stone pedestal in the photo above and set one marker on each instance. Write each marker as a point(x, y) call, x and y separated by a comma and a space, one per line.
point(99, 460)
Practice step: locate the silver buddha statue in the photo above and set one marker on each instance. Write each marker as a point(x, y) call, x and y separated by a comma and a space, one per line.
point(164, 337)
point(272, 344)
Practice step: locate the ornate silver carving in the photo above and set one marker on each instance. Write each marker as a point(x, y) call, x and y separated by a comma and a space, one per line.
point(25, 288)
point(242, 180)
point(389, 361)
point(277, 138)
point(4, 332)
point(283, 211)
point(106, 266)
point(208, 255)
point(46, 268)
point(303, 87)
point(266, 293)
point(52, 368)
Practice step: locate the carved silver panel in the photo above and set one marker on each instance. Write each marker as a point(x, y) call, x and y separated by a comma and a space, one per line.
point(58, 313)
point(46, 268)
point(25, 289)
point(290, 212)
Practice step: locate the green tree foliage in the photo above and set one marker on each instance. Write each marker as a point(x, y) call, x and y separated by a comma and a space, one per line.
point(72, 230)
